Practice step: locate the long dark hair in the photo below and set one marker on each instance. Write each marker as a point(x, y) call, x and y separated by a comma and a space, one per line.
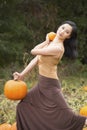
point(70, 44)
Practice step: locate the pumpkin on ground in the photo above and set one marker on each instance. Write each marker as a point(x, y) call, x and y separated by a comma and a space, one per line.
point(85, 88)
point(51, 35)
point(15, 90)
point(13, 127)
point(5, 126)
point(83, 111)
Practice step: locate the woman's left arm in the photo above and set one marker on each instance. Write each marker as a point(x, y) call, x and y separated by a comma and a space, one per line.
point(50, 50)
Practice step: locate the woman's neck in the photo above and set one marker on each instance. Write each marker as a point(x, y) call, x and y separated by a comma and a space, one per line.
point(57, 41)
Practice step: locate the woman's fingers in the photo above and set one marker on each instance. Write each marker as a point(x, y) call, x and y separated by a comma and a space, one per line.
point(16, 75)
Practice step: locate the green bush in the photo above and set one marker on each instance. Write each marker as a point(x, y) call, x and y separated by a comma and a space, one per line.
point(23, 24)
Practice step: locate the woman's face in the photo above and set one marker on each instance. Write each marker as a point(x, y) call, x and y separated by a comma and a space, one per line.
point(64, 31)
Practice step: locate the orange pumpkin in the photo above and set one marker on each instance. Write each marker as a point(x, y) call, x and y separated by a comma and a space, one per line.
point(15, 90)
point(51, 35)
point(83, 111)
point(85, 88)
point(14, 127)
point(5, 126)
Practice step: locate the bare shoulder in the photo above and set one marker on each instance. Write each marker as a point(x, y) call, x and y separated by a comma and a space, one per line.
point(58, 47)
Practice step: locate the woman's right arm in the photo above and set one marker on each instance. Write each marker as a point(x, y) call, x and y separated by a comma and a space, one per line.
point(30, 66)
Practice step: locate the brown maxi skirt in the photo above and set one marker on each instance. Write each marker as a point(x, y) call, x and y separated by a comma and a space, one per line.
point(44, 108)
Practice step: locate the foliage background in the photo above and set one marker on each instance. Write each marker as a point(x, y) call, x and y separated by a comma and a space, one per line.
point(25, 23)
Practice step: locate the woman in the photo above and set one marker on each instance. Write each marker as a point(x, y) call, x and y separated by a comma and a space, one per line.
point(44, 107)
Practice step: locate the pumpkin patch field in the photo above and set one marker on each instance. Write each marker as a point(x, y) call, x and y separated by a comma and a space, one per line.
point(73, 81)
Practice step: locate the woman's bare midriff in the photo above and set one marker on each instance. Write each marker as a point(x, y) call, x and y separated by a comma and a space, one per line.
point(48, 66)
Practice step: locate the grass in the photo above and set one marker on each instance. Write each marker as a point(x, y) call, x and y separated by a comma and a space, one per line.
point(73, 79)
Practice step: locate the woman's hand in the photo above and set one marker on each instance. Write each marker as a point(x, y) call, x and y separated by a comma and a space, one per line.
point(17, 76)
